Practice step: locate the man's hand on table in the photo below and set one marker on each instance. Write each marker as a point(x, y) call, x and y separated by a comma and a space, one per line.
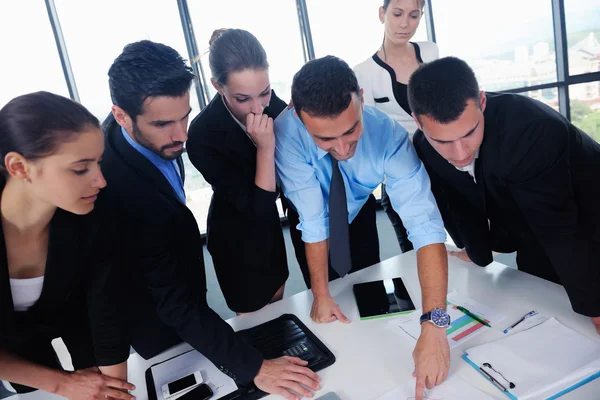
point(325, 309)
point(432, 358)
point(287, 376)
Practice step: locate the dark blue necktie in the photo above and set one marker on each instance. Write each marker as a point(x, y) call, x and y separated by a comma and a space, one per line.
point(339, 236)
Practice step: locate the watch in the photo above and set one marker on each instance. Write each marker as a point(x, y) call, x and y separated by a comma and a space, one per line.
point(438, 317)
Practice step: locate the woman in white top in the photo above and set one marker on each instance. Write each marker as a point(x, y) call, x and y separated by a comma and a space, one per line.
point(58, 277)
point(384, 77)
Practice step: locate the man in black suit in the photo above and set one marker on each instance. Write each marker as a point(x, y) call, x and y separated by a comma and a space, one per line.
point(527, 184)
point(144, 135)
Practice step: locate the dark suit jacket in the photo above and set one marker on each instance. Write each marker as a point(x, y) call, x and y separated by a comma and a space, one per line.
point(164, 260)
point(81, 280)
point(244, 233)
point(537, 184)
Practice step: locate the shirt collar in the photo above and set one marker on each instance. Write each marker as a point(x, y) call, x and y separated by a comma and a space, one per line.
point(149, 154)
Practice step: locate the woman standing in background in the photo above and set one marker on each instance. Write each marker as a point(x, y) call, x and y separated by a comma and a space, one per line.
point(384, 78)
point(232, 144)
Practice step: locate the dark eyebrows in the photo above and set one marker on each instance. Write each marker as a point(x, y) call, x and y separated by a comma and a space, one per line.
point(263, 92)
point(84, 160)
point(464, 136)
point(161, 122)
point(345, 133)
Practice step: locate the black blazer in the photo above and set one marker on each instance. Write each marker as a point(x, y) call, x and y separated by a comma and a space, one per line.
point(537, 184)
point(165, 265)
point(81, 280)
point(244, 233)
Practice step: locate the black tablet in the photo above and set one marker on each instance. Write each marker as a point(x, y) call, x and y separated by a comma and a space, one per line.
point(382, 298)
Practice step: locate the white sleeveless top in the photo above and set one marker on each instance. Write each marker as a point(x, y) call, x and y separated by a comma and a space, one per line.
point(25, 292)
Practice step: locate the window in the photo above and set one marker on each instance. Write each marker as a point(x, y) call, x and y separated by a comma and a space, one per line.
point(585, 107)
point(546, 96)
point(583, 35)
point(509, 44)
point(349, 29)
point(30, 60)
point(273, 22)
point(96, 32)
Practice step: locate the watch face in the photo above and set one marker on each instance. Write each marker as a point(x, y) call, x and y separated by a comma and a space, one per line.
point(440, 318)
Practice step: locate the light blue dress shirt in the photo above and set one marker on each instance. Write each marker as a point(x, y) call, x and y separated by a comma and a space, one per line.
point(383, 151)
point(169, 169)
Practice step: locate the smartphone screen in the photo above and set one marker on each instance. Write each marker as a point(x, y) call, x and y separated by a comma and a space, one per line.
point(202, 392)
point(182, 383)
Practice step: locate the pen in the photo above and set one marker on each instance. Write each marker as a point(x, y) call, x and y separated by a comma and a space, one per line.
point(475, 317)
point(529, 314)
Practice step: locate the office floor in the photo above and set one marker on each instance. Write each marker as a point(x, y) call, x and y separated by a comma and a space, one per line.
point(388, 248)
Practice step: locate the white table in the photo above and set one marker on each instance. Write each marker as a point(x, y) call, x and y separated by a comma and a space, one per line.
point(371, 359)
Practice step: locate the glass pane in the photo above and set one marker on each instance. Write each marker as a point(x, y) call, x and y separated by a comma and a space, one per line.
point(509, 44)
point(546, 96)
point(273, 22)
point(585, 107)
point(96, 32)
point(30, 58)
point(349, 29)
point(583, 35)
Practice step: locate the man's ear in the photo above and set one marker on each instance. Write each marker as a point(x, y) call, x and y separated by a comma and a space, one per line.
point(122, 117)
point(482, 100)
point(417, 121)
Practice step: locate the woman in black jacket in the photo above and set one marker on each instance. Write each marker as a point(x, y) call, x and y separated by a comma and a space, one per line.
point(232, 144)
point(56, 276)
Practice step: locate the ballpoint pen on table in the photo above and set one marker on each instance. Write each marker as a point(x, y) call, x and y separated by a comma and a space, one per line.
point(529, 314)
point(474, 316)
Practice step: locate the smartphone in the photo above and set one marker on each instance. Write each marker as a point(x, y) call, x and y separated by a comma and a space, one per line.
point(202, 392)
point(182, 384)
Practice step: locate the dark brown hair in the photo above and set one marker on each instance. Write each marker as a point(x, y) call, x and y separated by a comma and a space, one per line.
point(35, 124)
point(234, 50)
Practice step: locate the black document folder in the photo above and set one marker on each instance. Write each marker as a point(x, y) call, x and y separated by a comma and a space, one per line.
point(283, 336)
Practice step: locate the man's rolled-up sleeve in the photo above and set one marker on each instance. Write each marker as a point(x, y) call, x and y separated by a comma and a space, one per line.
point(297, 178)
point(409, 188)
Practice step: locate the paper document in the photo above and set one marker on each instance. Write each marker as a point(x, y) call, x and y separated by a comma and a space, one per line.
point(186, 364)
point(462, 327)
point(454, 388)
point(541, 361)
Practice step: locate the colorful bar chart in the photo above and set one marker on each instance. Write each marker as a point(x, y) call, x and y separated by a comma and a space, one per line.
point(462, 326)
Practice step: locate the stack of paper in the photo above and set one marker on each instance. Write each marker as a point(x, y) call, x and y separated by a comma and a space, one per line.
point(545, 361)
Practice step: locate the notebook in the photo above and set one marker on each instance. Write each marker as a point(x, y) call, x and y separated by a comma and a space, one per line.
point(544, 362)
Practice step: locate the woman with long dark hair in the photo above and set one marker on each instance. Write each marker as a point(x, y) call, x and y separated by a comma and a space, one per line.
point(57, 276)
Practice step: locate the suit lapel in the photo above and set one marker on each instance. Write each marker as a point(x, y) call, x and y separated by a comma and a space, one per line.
point(141, 164)
point(235, 138)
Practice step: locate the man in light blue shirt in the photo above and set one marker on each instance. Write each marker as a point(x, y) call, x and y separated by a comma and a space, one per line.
point(329, 118)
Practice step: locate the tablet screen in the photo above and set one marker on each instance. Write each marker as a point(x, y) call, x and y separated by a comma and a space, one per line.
point(382, 298)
